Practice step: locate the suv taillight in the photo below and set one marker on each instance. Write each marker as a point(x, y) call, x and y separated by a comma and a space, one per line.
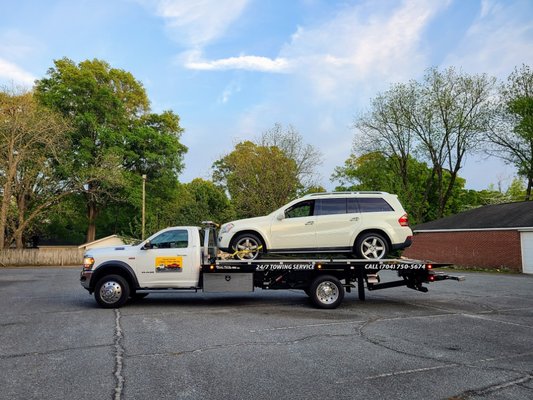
point(404, 220)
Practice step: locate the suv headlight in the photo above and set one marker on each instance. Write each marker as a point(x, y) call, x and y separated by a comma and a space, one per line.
point(226, 228)
point(88, 263)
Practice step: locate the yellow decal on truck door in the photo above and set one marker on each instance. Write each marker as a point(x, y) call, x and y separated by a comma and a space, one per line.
point(168, 264)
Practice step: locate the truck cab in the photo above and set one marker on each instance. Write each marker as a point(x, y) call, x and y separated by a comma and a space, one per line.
point(170, 258)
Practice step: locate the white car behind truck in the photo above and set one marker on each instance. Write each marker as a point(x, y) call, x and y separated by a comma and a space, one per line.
point(185, 258)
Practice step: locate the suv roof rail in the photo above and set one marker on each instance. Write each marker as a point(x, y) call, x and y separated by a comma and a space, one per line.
point(336, 193)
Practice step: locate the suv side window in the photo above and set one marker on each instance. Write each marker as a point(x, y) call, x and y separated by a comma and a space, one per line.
point(301, 209)
point(176, 239)
point(352, 206)
point(330, 206)
point(373, 204)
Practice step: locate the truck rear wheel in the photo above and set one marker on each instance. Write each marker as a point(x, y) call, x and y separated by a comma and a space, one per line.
point(112, 291)
point(326, 292)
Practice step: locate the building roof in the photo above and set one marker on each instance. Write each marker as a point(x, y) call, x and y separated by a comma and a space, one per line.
point(104, 239)
point(496, 216)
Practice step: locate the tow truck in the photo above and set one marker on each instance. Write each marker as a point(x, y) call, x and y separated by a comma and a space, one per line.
point(187, 258)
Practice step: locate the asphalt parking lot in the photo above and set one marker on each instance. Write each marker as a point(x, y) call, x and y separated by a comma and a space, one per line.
point(462, 340)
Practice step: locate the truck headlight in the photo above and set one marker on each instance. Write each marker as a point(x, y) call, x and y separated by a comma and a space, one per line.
point(226, 228)
point(88, 263)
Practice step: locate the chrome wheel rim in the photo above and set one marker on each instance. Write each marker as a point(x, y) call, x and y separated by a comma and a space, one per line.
point(327, 292)
point(247, 248)
point(373, 247)
point(110, 292)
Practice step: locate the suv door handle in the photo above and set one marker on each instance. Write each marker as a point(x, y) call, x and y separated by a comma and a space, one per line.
point(310, 223)
point(354, 219)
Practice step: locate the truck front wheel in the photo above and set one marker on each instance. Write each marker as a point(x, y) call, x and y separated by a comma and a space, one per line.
point(112, 291)
point(326, 292)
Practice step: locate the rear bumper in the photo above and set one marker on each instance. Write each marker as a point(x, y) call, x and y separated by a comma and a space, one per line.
point(401, 246)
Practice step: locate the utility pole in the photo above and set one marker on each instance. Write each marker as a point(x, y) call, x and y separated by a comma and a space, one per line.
point(144, 203)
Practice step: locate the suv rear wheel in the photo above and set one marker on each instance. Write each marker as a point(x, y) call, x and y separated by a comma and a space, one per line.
point(371, 246)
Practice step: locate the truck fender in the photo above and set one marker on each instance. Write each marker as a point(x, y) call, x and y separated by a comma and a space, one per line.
point(113, 267)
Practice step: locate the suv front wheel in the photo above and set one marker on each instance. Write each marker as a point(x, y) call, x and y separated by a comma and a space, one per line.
point(371, 246)
point(247, 246)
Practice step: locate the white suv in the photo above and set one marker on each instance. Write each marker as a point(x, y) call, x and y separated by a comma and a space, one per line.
point(366, 224)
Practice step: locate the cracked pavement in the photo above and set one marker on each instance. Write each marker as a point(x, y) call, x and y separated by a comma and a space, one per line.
point(467, 340)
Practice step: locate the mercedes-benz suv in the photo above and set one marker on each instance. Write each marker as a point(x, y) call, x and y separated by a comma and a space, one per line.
point(368, 225)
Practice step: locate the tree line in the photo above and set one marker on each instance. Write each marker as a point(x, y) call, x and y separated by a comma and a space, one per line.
point(418, 134)
point(74, 149)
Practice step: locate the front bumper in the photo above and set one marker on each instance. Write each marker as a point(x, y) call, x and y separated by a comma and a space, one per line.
point(85, 279)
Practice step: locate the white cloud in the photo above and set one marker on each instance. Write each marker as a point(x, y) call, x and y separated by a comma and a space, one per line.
point(196, 22)
point(15, 74)
point(363, 45)
point(359, 42)
point(229, 91)
point(251, 63)
point(500, 38)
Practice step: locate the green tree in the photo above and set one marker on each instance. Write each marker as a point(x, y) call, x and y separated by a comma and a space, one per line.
point(202, 200)
point(438, 120)
point(259, 179)
point(516, 190)
point(374, 171)
point(115, 138)
point(511, 135)
point(306, 156)
point(32, 140)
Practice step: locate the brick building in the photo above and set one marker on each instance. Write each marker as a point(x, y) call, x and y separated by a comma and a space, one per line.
point(494, 236)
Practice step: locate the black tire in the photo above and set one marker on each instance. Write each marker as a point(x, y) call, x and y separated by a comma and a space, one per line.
point(371, 246)
point(247, 246)
point(112, 291)
point(326, 292)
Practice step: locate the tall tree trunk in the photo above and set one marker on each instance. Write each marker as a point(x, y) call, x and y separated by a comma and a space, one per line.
point(529, 185)
point(3, 216)
point(4, 208)
point(19, 242)
point(21, 205)
point(92, 212)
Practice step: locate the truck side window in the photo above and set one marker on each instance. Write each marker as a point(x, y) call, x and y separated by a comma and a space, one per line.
point(301, 209)
point(176, 239)
point(330, 206)
point(370, 204)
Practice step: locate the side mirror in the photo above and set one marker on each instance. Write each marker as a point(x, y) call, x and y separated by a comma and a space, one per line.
point(280, 216)
point(147, 245)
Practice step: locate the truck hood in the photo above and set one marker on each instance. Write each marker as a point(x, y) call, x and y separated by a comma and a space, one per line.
point(99, 251)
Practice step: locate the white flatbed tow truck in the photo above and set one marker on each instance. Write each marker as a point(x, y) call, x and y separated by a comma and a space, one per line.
point(186, 259)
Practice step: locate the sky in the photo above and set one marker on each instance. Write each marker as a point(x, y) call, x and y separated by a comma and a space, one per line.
point(232, 69)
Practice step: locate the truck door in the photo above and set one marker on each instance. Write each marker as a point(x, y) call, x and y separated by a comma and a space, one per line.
point(169, 260)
